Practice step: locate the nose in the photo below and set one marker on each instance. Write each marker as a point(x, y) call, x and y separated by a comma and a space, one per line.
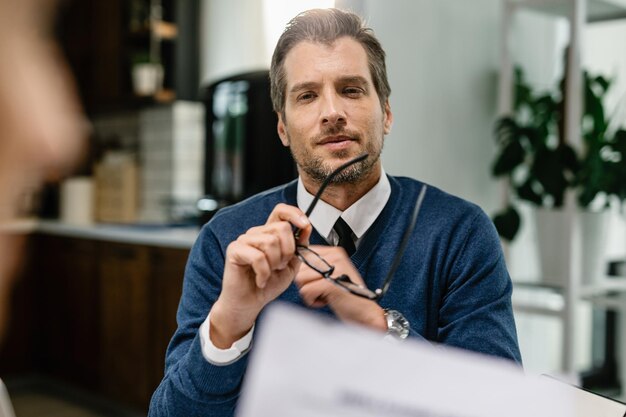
point(332, 112)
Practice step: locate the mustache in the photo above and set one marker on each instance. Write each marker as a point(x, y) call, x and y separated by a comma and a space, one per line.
point(335, 130)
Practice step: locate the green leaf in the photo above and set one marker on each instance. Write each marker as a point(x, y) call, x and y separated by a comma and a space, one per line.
point(505, 130)
point(507, 223)
point(569, 159)
point(603, 83)
point(535, 136)
point(511, 157)
point(526, 192)
point(548, 171)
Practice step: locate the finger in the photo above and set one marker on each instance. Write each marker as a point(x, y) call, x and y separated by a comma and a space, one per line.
point(337, 257)
point(282, 240)
point(306, 275)
point(293, 267)
point(317, 293)
point(295, 216)
point(291, 214)
point(269, 244)
point(243, 255)
point(284, 231)
point(257, 230)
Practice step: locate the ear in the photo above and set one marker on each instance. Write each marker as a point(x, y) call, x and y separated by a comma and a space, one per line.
point(387, 118)
point(282, 130)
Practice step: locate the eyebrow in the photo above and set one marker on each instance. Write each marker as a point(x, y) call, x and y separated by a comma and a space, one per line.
point(309, 85)
point(354, 79)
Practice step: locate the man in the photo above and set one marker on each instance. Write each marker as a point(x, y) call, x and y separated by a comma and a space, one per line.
point(330, 91)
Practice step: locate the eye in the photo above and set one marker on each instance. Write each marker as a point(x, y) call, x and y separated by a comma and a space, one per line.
point(353, 92)
point(304, 97)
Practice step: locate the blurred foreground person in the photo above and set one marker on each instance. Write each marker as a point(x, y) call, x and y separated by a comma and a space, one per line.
point(41, 122)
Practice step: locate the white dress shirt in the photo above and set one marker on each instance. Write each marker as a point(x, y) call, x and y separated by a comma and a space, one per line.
point(359, 216)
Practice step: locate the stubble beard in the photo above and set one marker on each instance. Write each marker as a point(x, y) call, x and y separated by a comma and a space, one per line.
point(318, 170)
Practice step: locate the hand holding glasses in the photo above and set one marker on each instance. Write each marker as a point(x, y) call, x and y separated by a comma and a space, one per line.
point(316, 262)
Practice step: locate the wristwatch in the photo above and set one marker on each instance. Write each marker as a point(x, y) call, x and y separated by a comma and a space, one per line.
point(397, 325)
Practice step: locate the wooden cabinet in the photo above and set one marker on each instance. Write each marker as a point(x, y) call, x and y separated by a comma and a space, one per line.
point(125, 328)
point(166, 292)
point(68, 310)
point(17, 347)
point(96, 314)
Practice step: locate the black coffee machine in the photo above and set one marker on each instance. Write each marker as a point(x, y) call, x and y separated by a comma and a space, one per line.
point(243, 153)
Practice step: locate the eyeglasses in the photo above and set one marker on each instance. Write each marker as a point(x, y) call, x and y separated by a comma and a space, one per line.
point(316, 262)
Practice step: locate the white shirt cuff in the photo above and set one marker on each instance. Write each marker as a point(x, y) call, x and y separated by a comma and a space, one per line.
point(218, 356)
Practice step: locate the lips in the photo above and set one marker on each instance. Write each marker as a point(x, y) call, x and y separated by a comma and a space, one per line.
point(335, 139)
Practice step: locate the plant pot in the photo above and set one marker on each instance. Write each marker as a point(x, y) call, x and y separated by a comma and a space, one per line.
point(593, 230)
point(147, 78)
point(553, 245)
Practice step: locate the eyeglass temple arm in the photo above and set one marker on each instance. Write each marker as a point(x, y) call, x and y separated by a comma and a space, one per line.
point(296, 232)
point(405, 241)
point(329, 179)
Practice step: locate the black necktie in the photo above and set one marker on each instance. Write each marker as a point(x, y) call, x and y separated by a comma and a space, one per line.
point(345, 236)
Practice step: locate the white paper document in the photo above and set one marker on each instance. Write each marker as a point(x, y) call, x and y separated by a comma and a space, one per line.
point(305, 365)
point(6, 409)
point(590, 404)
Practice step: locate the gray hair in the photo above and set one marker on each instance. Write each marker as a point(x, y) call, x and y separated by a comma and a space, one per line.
point(326, 26)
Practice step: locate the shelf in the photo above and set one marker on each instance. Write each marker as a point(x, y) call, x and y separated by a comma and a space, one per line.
point(609, 293)
point(597, 10)
point(164, 30)
point(102, 59)
point(606, 10)
point(604, 286)
point(19, 226)
point(536, 298)
point(160, 29)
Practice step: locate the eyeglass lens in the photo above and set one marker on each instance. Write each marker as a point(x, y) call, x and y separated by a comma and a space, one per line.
point(314, 261)
point(345, 282)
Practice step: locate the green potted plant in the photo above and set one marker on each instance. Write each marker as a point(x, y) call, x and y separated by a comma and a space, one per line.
point(541, 166)
point(147, 74)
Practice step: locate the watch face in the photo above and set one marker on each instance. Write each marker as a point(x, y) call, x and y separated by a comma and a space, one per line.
point(397, 325)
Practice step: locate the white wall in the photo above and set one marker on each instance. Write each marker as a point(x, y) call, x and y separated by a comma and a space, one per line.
point(239, 35)
point(231, 39)
point(442, 63)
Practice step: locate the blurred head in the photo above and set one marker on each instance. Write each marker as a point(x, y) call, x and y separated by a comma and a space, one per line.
point(42, 124)
point(326, 26)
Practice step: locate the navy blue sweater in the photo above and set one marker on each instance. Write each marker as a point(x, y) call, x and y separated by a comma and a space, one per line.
point(452, 285)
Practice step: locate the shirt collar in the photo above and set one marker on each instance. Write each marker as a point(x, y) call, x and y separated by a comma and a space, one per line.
point(359, 216)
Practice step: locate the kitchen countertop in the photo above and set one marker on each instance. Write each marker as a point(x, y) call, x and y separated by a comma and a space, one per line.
point(180, 237)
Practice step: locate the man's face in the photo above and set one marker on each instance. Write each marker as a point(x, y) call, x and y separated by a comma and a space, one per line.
point(332, 111)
